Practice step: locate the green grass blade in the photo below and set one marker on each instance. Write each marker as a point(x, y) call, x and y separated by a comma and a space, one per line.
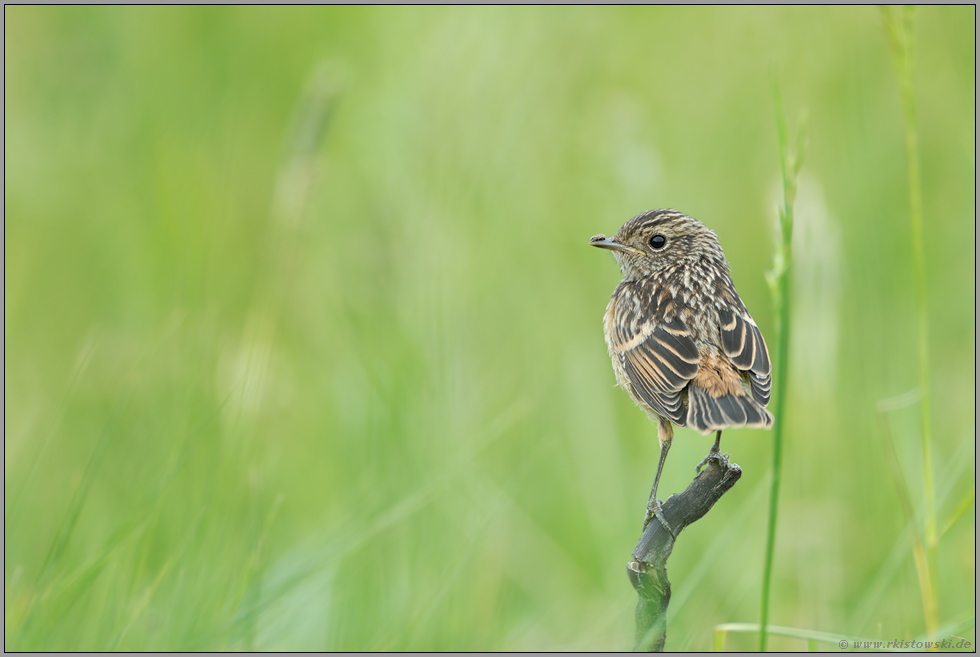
point(780, 281)
point(718, 642)
point(898, 26)
point(964, 505)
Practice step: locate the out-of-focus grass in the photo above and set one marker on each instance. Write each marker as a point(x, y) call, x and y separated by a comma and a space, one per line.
point(898, 26)
point(363, 402)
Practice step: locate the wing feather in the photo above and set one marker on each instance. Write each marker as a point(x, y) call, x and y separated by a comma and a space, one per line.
point(659, 357)
point(745, 347)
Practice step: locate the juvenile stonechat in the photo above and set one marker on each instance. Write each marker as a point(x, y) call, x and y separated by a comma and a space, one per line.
point(681, 341)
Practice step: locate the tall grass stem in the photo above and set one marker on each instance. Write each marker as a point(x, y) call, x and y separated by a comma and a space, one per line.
point(898, 26)
point(780, 283)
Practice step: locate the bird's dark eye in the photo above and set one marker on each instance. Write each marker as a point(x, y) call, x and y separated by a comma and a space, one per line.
point(658, 241)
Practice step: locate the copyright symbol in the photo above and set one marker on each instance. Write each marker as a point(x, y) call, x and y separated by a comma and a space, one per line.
point(843, 644)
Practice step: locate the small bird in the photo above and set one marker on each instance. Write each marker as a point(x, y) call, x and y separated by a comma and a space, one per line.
point(682, 343)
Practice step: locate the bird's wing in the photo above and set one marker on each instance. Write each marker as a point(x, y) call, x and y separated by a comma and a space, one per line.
point(659, 356)
point(744, 345)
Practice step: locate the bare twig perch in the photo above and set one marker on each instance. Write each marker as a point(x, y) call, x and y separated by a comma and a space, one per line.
point(648, 569)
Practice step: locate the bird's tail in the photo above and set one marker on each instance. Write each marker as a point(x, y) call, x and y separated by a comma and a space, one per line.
point(706, 413)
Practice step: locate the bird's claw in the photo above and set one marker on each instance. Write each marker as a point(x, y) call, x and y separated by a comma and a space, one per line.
point(713, 456)
point(655, 510)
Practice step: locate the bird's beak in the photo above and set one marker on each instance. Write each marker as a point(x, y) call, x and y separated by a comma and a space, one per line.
point(610, 243)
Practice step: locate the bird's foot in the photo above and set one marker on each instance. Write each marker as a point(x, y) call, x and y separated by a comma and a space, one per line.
point(655, 510)
point(714, 456)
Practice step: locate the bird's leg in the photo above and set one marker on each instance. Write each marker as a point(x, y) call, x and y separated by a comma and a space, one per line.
point(665, 433)
point(713, 455)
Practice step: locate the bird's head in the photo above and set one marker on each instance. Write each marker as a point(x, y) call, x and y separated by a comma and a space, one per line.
point(659, 240)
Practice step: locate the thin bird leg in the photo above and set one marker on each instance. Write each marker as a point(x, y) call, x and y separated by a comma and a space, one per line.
point(666, 435)
point(713, 455)
point(656, 481)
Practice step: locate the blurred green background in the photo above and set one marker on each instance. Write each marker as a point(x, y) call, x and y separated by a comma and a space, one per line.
point(303, 343)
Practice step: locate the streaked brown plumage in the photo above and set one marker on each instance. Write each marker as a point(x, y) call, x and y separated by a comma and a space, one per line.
point(682, 343)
